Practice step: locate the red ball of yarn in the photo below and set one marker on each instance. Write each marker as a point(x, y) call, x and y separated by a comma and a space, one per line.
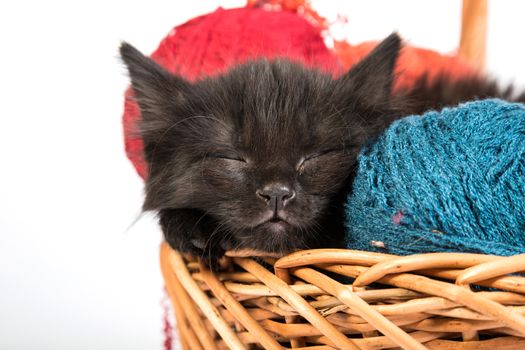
point(212, 43)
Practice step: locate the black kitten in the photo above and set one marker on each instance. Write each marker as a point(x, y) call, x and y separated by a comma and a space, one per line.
point(261, 157)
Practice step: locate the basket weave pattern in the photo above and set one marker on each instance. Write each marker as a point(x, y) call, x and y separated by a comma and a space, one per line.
point(345, 299)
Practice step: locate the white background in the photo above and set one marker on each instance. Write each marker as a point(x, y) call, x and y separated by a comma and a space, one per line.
point(75, 271)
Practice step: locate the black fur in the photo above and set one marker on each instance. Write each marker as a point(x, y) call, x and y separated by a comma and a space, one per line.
point(444, 91)
point(213, 146)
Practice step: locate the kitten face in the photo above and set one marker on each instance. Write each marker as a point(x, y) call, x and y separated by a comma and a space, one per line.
point(264, 151)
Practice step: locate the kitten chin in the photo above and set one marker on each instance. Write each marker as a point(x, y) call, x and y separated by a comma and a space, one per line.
point(263, 155)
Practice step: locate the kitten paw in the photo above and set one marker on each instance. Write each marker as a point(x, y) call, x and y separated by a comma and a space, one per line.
point(209, 255)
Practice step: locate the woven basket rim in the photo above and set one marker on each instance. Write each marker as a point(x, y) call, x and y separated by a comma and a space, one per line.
point(424, 301)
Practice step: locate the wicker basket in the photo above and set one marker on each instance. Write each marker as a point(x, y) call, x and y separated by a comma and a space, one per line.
point(427, 301)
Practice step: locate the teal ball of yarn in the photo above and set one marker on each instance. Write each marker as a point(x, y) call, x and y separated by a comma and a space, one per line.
point(445, 181)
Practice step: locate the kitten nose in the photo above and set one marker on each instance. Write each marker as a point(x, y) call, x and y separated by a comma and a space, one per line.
point(276, 195)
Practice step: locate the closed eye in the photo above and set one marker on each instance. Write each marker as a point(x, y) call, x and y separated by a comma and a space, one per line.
point(302, 163)
point(228, 156)
point(322, 153)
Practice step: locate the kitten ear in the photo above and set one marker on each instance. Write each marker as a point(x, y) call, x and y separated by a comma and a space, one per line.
point(154, 86)
point(372, 77)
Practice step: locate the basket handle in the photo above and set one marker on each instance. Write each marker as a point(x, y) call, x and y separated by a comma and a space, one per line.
point(472, 44)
